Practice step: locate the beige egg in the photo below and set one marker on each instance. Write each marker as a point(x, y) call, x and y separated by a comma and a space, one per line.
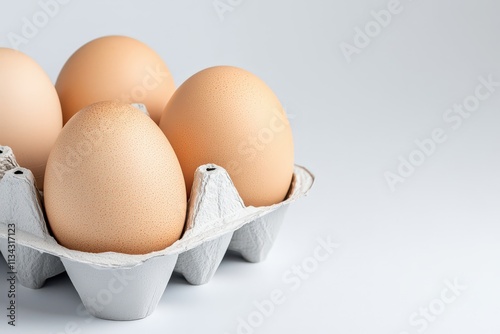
point(30, 112)
point(115, 68)
point(228, 116)
point(113, 183)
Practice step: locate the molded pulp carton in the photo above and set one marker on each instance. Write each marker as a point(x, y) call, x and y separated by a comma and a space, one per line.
point(127, 287)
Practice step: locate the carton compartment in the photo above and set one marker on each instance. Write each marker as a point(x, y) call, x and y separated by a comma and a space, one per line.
point(119, 286)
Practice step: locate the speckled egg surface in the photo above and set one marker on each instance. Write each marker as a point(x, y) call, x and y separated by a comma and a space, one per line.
point(113, 183)
point(228, 116)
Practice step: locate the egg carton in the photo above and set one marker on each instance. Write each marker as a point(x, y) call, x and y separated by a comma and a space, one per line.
point(120, 286)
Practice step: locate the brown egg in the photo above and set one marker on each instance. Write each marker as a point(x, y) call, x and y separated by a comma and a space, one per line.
point(113, 183)
point(30, 112)
point(115, 68)
point(228, 116)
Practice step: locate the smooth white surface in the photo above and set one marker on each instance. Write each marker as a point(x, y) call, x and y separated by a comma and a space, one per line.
point(351, 122)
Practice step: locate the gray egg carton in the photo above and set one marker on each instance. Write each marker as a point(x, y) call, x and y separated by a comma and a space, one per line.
point(119, 286)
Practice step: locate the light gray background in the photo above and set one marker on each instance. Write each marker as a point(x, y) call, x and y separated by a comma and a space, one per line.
point(351, 122)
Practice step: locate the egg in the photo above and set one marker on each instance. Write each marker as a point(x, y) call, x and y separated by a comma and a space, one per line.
point(228, 116)
point(113, 183)
point(30, 112)
point(114, 68)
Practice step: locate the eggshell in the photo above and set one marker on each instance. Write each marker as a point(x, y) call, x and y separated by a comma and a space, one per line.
point(228, 116)
point(115, 67)
point(113, 183)
point(30, 112)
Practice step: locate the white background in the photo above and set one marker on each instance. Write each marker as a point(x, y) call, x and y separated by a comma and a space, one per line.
point(351, 122)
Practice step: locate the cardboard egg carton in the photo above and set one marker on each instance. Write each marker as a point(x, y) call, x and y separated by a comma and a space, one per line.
point(119, 286)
